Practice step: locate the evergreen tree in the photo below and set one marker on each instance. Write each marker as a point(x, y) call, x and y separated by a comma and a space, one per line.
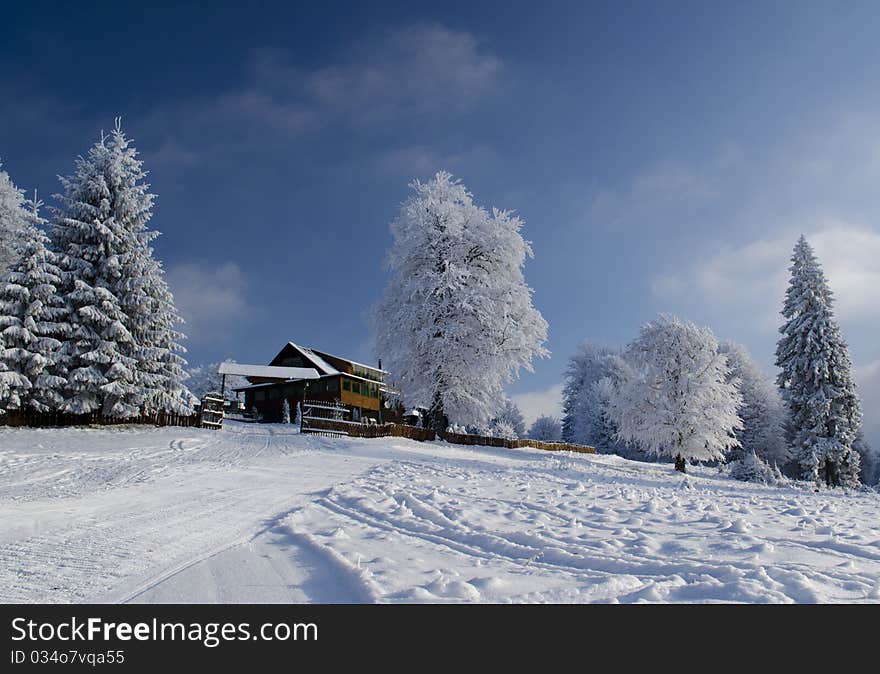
point(815, 378)
point(674, 398)
point(152, 317)
point(762, 411)
point(123, 356)
point(14, 219)
point(456, 322)
point(33, 321)
point(285, 411)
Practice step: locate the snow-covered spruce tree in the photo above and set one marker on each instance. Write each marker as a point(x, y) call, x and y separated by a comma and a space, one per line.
point(456, 322)
point(285, 411)
point(815, 379)
point(674, 398)
point(511, 416)
point(122, 357)
point(762, 411)
point(152, 317)
point(546, 429)
point(590, 373)
point(14, 219)
point(33, 323)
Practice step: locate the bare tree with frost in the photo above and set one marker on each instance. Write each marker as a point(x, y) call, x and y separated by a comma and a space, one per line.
point(510, 419)
point(546, 429)
point(762, 411)
point(585, 421)
point(674, 398)
point(456, 322)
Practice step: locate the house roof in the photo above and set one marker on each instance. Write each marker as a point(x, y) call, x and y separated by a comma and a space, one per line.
point(316, 357)
point(381, 386)
point(268, 371)
point(354, 362)
point(322, 365)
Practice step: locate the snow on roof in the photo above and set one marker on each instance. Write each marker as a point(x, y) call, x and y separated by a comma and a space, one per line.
point(319, 362)
point(354, 362)
point(270, 371)
point(347, 360)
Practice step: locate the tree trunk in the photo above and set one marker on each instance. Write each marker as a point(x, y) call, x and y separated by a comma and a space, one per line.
point(436, 419)
point(832, 475)
point(680, 464)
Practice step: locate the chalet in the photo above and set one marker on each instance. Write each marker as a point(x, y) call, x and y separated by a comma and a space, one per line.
point(316, 376)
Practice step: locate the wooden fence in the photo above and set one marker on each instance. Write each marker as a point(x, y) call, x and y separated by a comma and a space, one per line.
point(488, 441)
point(359, 430)
point(315, 425)
point(55, 419)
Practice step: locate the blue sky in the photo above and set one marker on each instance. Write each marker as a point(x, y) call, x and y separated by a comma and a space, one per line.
point(665, 156)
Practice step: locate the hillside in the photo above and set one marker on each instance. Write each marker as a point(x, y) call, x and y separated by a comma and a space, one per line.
point(259, 513)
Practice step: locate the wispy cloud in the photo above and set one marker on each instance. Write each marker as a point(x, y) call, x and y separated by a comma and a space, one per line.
point(403, 73)
point(418, 69)
point(211, 298)
point(422, 161)
point(536, 403)
point(750, 280)
point(868, 379)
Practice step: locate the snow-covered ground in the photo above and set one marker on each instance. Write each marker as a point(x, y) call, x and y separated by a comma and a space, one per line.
point(259, 513)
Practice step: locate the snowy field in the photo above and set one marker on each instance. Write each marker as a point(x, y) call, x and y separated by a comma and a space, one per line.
point(259, 513)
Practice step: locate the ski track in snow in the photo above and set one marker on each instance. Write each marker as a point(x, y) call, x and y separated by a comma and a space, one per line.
point(259, 513)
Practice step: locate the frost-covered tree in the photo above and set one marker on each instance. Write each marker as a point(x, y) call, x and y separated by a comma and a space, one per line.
point(285, 411)
point(590, 373)
point(510, 415)
point(815, 379)
point(762, 411)
point(204, 379)
point(33, 323)
point(123, 357)
point(546, 429)
point(869, 464)
point(456, 322)
point(15, 216)
point(502, 429)
point(750, 467)
point(674, 398)
point(153, 319)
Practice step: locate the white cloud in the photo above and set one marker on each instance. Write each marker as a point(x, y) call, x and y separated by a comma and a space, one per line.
point(419, 68)
point(868, 379)
point(423, 161)
point(751, 279)
point(535, 403)
point(413, 70)
point(211, 298)
point(171, 153)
